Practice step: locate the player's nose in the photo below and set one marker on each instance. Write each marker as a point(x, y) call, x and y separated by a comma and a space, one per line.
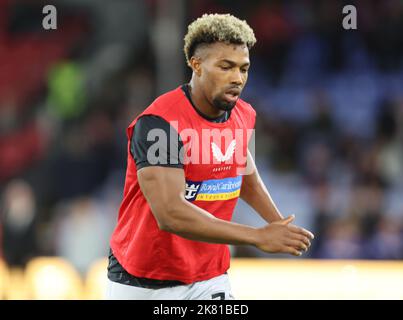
point(236, 78)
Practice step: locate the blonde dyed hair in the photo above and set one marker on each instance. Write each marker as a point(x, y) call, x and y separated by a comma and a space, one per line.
point(212, 28)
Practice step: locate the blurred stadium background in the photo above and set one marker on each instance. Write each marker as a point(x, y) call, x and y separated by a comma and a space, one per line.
point(329, 138)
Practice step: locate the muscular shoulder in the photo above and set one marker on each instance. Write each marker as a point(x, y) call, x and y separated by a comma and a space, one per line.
point(170, 153)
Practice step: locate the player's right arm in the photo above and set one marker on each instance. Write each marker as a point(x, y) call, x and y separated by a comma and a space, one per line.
point(163, 186)
point(164, 189)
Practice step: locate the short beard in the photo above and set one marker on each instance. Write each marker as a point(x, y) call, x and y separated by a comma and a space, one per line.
point(223, 105)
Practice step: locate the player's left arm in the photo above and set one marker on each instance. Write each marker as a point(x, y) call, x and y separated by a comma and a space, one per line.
point(255, 193)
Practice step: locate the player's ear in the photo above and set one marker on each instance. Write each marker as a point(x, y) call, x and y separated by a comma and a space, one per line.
point(195, 64)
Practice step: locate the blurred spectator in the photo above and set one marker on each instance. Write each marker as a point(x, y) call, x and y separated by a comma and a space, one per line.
point(390, 142)
point(386, 242)
point(19, 223)
point(317, 162)
point(341, 240)
point(321, 123)
point(367, 206)
point(66, 98)
point(322, 214)
point(81, 232)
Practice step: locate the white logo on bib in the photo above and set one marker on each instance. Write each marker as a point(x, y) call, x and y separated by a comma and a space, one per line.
point(228, 154)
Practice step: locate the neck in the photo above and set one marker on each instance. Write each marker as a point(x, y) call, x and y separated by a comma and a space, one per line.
point(201, 103)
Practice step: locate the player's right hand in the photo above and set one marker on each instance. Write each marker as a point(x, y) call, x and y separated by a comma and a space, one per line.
point(283, 237)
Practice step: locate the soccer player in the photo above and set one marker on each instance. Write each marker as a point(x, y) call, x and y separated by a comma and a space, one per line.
point(183, 182)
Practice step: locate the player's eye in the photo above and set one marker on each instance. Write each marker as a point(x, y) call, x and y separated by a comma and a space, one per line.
point(225, 67)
